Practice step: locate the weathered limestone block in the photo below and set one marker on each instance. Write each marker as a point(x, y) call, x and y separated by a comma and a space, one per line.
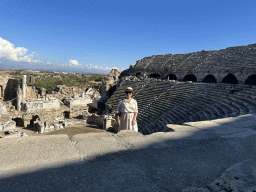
point(42, 91)
point(107, 122)
point(77, 102)
point(56, 126)
point(3, 110)
point(38, 104)
point(66, 123)
point(30, 93)
point(49, 129)
point(58, 119)
point(9, 125)
point(31, 79)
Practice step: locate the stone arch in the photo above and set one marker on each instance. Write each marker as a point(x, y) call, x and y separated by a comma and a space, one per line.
point(209, 79)
point(231, 79)
point(190, 77)
point(171, 76)
point(19, 122)
point(155, 75)
point(251, 80)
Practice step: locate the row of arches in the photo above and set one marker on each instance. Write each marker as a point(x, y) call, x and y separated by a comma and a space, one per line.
point(230, 79)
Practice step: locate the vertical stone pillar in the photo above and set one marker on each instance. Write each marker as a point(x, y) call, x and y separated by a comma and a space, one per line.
point(24, 78)
point(18, 99)
point(107, 122)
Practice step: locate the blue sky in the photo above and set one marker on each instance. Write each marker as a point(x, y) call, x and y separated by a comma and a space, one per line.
point(95, 36)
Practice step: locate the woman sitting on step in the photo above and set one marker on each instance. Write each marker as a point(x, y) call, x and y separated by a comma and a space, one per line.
point(128, 110)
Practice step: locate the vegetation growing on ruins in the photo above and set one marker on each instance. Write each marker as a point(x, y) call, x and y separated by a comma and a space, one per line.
point(49, 81)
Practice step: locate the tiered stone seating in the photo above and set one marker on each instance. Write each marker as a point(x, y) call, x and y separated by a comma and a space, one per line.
point(203, 105)
point(177, 60)
point(165, 102)
point(169, 103)
point(143, 63)
point(236, 58)
point(249, 58)
point(196, 59)
point(159, 60)
point(235, 61)
point(151, 92)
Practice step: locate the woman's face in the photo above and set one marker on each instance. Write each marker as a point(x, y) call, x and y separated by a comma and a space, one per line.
point(128, 93)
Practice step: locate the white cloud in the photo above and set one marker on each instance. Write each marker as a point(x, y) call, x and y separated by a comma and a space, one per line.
point(9, 52)
point(74, 63)
point(16, 58)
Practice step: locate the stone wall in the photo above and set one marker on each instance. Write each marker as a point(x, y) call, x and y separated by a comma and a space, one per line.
point(31, 93)
point(77, 101)
point(3, 110)
point(33, 105)
point(10, 91)
point(3, 82)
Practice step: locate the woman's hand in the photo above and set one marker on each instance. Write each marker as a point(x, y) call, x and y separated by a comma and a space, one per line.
point(118, 121)
point(133, 122)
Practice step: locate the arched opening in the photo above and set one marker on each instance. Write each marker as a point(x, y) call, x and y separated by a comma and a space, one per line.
point(19, 122)
point(155, 75)
point(111, 91)
point(66, 114)
point(231, 79)
point(138, 74)
point(34, 118)
point(251, 80)
point(190, 77)
point(171, 77)
point(209, 79)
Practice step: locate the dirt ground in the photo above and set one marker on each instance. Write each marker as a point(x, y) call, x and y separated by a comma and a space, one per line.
point(77, 128)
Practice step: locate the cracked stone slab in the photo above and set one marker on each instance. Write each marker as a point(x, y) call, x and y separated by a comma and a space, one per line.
point(25, 153)
point(91, 145)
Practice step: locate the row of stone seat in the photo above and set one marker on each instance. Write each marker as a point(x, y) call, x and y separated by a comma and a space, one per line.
point(209, 106)
point(233, 57)
point(163, 102)
point(226, 58)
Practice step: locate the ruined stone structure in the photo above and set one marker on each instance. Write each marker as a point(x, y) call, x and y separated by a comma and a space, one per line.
point(234, 65)
point(76, 105)
point(3, 83)
point(109, 83)
point(5, 120)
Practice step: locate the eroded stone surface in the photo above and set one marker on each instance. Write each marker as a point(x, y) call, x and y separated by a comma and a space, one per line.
point(240, 177)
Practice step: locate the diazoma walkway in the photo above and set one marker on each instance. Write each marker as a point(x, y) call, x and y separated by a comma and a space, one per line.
point(218, 155)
